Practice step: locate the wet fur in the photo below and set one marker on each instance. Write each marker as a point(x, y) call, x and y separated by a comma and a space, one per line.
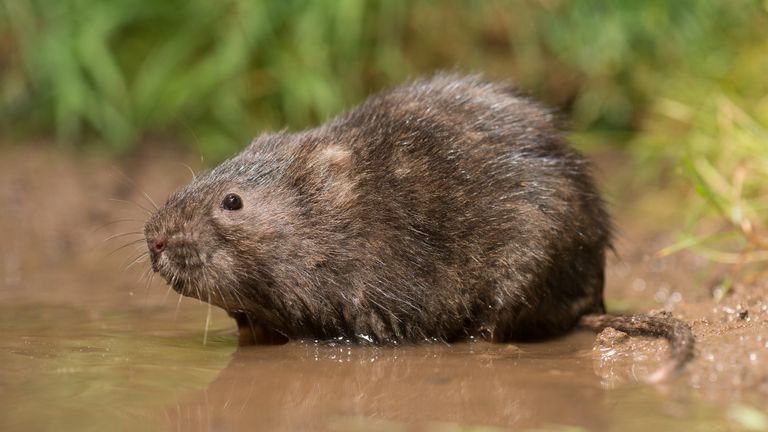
point(442, 209)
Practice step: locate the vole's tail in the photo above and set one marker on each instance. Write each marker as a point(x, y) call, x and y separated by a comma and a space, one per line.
point(678, 334)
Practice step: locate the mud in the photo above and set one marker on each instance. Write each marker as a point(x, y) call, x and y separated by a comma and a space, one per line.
point(90, 342)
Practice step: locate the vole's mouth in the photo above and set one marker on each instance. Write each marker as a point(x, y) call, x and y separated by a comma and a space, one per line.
point(178, 284)
point(250, 330)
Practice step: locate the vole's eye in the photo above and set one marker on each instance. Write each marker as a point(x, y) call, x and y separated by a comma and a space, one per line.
point(232, 202)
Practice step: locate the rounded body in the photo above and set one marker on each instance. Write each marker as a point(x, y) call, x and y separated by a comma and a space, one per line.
point(440, 210)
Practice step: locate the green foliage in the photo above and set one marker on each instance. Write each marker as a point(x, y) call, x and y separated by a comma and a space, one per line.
point(682, 83)
point(726, 157)
point(709, 119)
point(630, 51)
point(113, 70)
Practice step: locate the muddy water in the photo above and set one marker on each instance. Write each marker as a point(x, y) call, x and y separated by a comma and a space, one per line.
point(69, 368)
point(90, 344)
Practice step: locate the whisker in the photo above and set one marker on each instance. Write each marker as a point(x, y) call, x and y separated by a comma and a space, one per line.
point(132, 243)
point(199, 294)
point(136, 260)
point(145, 274)
point(191, 171)
point(124, 265)
point(148, 212)
point(151, 201)
point(207, 321)
point(133, 183)
point(147, 287)
point(114, 222)
point(178, 304)
point(236, 294)
point(223, 299)
point(112, 237)
point(183, 124)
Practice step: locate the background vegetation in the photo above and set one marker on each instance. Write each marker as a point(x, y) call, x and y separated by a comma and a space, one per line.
point(680, 85)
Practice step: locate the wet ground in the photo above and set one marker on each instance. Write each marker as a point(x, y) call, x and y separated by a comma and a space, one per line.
point(90, 343)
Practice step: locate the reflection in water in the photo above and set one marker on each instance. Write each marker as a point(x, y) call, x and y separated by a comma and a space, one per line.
point(305, 386)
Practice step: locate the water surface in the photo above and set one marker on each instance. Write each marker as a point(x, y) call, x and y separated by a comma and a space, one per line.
point(69, 368)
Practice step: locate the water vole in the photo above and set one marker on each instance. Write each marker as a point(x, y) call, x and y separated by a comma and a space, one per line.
point(444, 209)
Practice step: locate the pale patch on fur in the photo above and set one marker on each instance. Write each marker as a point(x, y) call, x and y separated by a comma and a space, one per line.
point(335, 165)
point(336, 157)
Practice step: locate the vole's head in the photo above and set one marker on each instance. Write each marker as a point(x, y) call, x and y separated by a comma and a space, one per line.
point(254, 235)
point(215, 237)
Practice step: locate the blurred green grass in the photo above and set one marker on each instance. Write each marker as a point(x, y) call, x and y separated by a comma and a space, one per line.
point(112, 71)
point(681, 86)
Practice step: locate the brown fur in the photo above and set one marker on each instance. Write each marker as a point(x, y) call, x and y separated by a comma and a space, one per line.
point(440, 210)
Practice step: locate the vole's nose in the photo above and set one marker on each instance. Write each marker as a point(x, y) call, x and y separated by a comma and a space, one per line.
point(156, 246)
